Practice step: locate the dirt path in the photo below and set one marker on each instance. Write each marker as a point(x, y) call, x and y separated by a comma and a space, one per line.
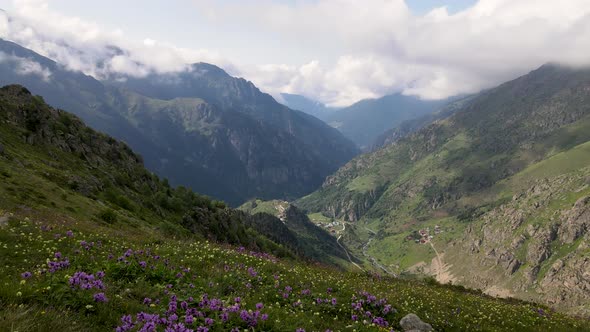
point(440, 269)
point(371, 258)
point(346, 251)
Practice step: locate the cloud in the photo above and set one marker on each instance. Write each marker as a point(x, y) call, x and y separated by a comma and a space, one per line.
point(375, 47)
point(384, 48)
point(25, 66)
point(85, 46)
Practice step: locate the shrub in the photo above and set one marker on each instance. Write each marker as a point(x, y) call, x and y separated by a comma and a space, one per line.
point(108, 216)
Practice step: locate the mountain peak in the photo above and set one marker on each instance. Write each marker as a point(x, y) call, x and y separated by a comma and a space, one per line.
point(15, 89)
point(209, 69)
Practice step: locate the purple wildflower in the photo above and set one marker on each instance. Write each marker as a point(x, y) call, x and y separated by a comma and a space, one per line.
point(100, 297)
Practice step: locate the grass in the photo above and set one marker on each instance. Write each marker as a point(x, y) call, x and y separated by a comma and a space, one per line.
point(319, 218)
point(363, 184)
point(287, 291)
point(273, 207)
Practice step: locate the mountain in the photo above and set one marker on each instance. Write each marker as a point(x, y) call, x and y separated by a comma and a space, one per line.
point(201, 128)
point(364, 121)
point(500, 185)
point(52, 160)
point(410, 126)
point(317, 243)
point(304, 104)
point(92, 241)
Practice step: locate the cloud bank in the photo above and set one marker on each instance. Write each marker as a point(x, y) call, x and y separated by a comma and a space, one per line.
point(26, 67)
point(381, 47)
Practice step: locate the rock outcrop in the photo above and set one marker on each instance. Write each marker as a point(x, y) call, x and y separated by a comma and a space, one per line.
point(413, 323)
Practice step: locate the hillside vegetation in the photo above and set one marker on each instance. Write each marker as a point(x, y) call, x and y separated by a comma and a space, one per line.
point(460, 173)
point(91, 241)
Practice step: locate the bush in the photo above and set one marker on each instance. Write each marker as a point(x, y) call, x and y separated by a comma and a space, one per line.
point(108, 216)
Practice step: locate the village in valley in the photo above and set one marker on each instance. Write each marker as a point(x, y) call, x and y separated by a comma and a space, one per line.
point(424, 236)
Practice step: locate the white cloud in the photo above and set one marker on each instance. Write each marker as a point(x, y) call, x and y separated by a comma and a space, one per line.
point(84, 46)
point(25, 66)
point(379, 46)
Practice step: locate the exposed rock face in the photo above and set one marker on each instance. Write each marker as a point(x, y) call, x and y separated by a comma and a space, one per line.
point(577, 221)
point(411, 322)
point(548, 241)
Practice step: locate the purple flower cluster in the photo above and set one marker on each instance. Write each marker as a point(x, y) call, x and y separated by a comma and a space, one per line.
point(83, 280)
point(191, 315)
point(55, 266)
point(369, 306)
point(100, 297)
point(261, 255)
point(88, 245)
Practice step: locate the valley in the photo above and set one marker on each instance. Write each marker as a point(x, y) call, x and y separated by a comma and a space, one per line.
point(331, 166)
point(468, 182)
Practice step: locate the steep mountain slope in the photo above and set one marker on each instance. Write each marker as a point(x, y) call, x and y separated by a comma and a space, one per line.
point(444, 177)
point(233, 146)
point(366, 120)
point(212, 84)
point(317, 242)
point(408, 127)
point(52, 161)
point(92, 241)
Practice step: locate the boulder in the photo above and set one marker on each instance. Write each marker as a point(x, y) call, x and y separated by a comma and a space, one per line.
point(411, 322)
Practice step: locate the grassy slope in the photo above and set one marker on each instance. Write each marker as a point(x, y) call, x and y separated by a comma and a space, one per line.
point(45, 301)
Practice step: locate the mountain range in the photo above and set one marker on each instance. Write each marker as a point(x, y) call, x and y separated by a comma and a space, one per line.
point(90, 240)
point(493, 196)
point(364, 122)
point(201, 128)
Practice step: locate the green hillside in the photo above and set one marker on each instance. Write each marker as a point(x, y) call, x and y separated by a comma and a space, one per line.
point(458, 170)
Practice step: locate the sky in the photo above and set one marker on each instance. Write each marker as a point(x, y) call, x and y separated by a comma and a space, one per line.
point(334, 51)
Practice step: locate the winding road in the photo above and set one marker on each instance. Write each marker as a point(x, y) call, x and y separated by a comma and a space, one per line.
point(346, 251)
point(371, 258)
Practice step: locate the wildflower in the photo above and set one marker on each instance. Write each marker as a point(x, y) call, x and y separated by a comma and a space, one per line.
point(26, 275)
point(100, 297)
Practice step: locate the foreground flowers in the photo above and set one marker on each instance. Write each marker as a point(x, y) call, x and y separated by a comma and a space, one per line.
point(101, 280)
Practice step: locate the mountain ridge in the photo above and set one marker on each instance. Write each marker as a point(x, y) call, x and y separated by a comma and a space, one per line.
point(303, 149)
point(453, 171)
